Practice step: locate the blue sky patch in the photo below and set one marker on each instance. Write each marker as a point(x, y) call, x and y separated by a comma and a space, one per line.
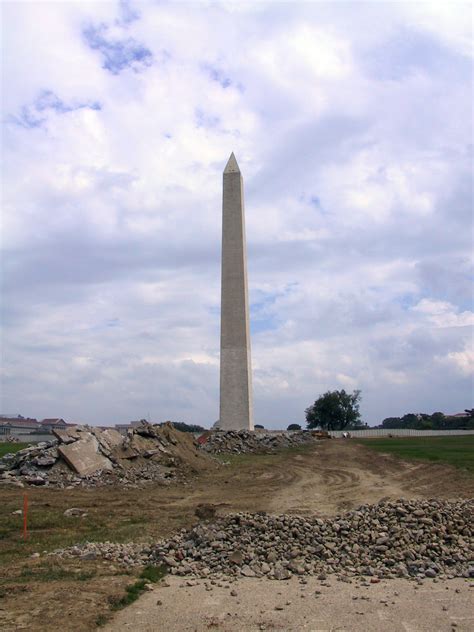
point(128, 14)
point(258, 326)
point(216, 74)
point(118, 54)
point(203, 119)
point(35, 114)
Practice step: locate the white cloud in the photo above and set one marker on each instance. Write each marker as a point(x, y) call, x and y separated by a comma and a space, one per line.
point(353, 145)
point(463, 361)
point(443, 314)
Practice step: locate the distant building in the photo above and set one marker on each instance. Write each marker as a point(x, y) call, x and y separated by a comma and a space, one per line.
point(122, 428)
point(18, 425)
point(56, 423)
point(5, 428)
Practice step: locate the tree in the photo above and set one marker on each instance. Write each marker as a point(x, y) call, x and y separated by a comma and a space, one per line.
point(335, 410)
point(410, 420)
point(294, 427)
point(259, 426)
point(184, 427)
point(391, 422)
point(438, 420)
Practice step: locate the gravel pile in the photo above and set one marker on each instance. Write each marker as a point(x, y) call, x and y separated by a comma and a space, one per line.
point(85, 456)
point(243, 441)
point(411, 539)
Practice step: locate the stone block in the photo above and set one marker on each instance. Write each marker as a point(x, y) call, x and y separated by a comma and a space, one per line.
point(83, 456)
point(113, 437)
point(68, 435)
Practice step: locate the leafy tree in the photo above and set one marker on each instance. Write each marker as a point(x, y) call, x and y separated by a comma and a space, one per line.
point(335, 410)
point(180, 425)
point(294, 427)
point(410, 420)
point(438, 420)
point(391, 422)
point(259, 426)
point(425, 424)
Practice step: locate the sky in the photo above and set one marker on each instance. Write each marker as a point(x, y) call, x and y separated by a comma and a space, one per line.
point(351, 124)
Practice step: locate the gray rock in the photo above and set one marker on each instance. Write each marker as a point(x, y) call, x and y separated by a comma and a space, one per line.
point(75, 512)
point(255, 545)
point(44, 461)
point(246, 571)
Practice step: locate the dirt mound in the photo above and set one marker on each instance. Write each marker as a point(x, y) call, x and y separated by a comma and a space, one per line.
point(87, 456)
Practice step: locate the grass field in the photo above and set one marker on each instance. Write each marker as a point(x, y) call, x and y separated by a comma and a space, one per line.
point(5, 447)
point(457, 451)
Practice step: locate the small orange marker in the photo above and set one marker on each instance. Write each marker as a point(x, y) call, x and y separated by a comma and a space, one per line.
point(25, 516)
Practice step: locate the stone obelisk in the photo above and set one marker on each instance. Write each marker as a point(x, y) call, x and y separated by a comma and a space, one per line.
point(236, 406)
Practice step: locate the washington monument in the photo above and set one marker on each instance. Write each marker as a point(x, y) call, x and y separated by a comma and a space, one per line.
point(236, 407)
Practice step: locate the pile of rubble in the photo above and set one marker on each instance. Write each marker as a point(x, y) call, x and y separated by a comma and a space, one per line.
point(243, 441)
point(86, 456)
point(411, 539)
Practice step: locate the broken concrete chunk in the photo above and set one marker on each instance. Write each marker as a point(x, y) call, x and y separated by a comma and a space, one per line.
point(113, 437)
point(105, 457)
point(75, 512)
point(149, 453)
point(44, 461)
point(69, 435)
point(83, 456)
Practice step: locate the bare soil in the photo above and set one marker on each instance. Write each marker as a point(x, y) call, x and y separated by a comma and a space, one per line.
point(259, 604)
point(333, 476)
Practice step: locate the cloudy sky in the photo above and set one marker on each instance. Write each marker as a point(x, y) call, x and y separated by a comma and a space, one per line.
point(351, 124)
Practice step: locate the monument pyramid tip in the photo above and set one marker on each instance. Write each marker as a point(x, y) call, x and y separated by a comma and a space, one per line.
point(232, 166)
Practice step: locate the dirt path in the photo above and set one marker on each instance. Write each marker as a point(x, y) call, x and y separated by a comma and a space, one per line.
point(343, 475)
point(332, 477)
point(291, 606)
point(340, 478)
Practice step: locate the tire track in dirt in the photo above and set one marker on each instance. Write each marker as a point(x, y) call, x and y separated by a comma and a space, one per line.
point(332, 477)
point(341, 475)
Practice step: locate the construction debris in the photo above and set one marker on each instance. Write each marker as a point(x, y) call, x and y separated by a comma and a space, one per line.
point(244, 441)
point(86, 456)
point(83, 456)
point(410, 539)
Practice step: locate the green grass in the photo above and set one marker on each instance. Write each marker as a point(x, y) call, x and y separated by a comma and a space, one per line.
point(49, 529)
point(52, 573)
point(6, 448)
point(49, 572)
point(102, 619)
point(149, 575)
point(457, 451)
point(153, 574)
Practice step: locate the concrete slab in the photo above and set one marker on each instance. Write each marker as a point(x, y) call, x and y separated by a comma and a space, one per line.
point(68, 435)
point(108, 439)
point(113, 437)
point(83, 456)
